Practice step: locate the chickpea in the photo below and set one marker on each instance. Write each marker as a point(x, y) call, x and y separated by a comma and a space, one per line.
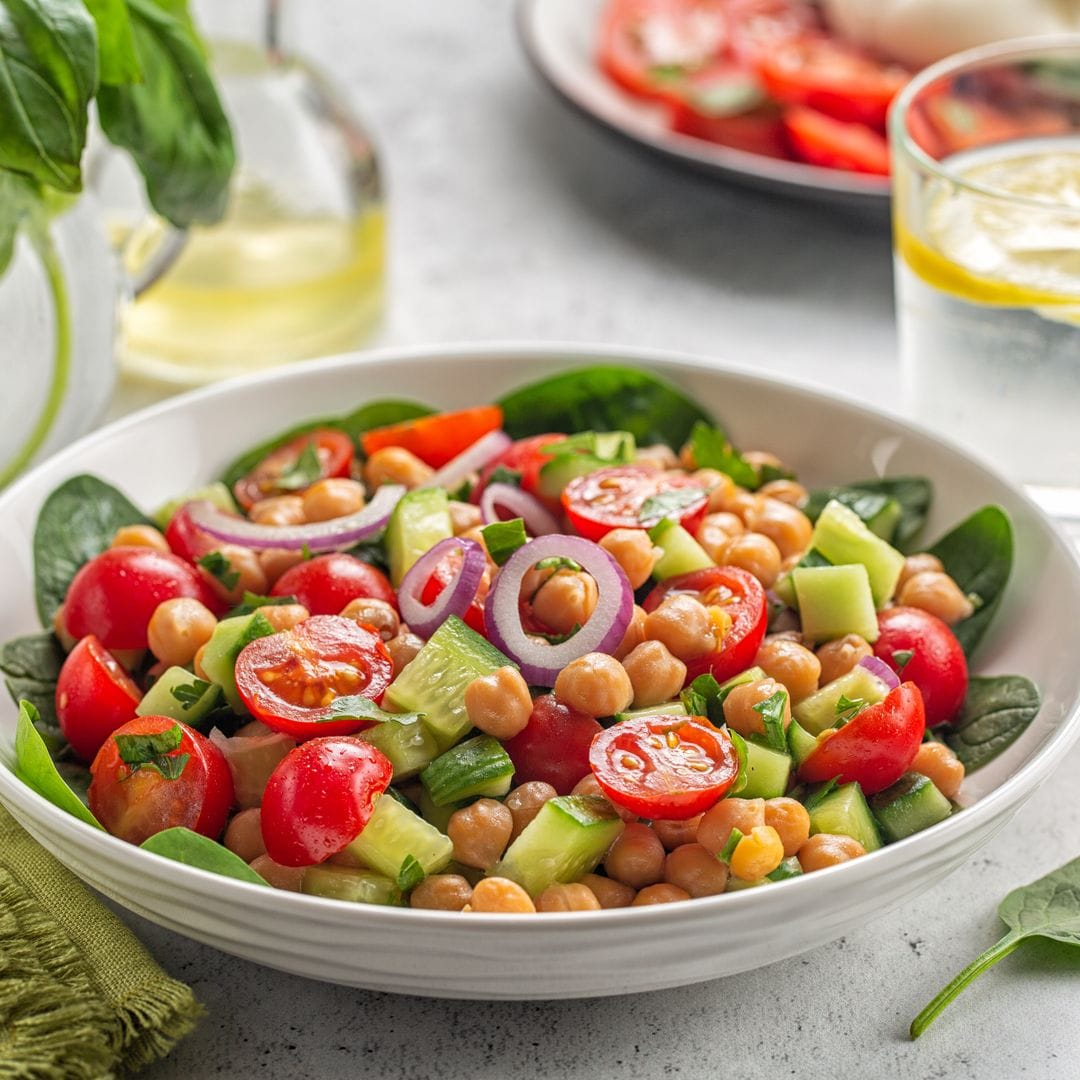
point(657, 456)
point(480, 832)
point(403, 649)
point(743, 503)
point(565, 600)
point(500, 895)
point(695, 870)
point(178, 629)
point(284, 616)
point(636, 858)
point(140, 536)
point(788, 491)
point(576, 897)
point(938, 594)
point(721, 488)
point(396, 465)
point(441, 892)
point(595, 684)
point(716, 531)
point(792, 665)
point(196, 664)
point(464, 516)
point(791, 821)
point(942, 766)
point(686, 457)
point(524, 803)
point(332, 497)
point(243, 836)
point(828, 849)
point(754, 553)
point(244, 573)
point(761, 459)
point(739, 711)
point(275, 561)
point(634, 636)
point(717, 822)
point(659, 894)
point(684, 625)
point(377, 614)
point(840, 656)
point(289, 878)
point(278, 510)
point(921, 563)
point(634, 552)
point(655, 674)
point(786, 526)
point(609, 893)
point(757, 854)
point(674, 833)
point(589, 785)
point(499, 704)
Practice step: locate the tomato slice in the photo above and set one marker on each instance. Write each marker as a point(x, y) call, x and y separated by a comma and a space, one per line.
point(436, 439)
point(936, 664)
point(615, 498)
point(823, 140)
point(326, 584)
point(333, 448)
point(667, 767)
point(758, 131)
point(554, 745)
point(441, 577)
point(94, 696)
point(741, 596)
point(289, 680)
point(135, 801)
point(876, 748)
point(319, 798)
point(760, 26)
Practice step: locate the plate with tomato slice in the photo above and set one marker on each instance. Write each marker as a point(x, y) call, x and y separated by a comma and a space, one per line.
point(752, 91)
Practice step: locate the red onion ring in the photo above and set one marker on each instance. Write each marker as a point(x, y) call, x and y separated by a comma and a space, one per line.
point(459, 593)
point(603, 630)
point(881, 670)
point(315, 536)
point(539, 520)
point(472, 459)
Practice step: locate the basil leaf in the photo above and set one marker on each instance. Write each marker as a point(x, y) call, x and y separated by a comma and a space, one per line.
point(771, 711)
point(712, 449)
point(192, 849)
point(978, 556)
point(410, 875)
point(668, 504)
point(606, 397)
point(995, 713)
point(116, 42)
point(913, 493)
point(77, 521)
point(31, 665)
point(358, 707)
point(35, 768)
point(20, 200)
point(503, 538)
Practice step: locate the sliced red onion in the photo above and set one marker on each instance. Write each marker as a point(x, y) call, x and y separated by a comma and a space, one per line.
point(251, 760)
point(603, 631)
point(458, 594)
point(472, 459)
point(315, 536)
point(539, 520)
point(881, 670)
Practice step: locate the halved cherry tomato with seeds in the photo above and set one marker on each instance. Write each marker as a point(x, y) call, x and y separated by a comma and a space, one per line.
point(272, 476)
point(438, 439)
point(665, 767)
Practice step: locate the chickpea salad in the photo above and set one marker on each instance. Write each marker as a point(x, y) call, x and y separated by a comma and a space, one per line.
point(572, 650)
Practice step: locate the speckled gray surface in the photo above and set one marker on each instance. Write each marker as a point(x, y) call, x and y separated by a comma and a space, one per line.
point(511, 218)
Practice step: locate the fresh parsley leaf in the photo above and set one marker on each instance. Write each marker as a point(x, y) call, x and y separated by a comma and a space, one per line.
point(358, 707)
point(253, 601)
point(306, 553)
point(705, 697)
point(503, 538)
point(822, 793)
point(604, 448)
point(712, 449)
point(729, 848)
point(557, 639)
point(771, 711)
point(410, 875)
point(503, 475)
point(668, 504)
point(303, 472)
point(848, 708)
point(901, 658)
point(557, 562)
point(191, 693)
point(156, 751)
point(216, 564)
point(743, 777)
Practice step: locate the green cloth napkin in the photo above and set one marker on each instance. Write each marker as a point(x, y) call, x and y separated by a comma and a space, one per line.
point(80, 998)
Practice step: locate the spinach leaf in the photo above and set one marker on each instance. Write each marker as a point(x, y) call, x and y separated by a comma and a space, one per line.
point(35, 768)
point(995, 713)
point(171, 122)
point(192, 849)
point(1049, 908)
point(116, 42)
point(48, 74)
point(77, 522)
point(913, 493)
point(31, 665)
point(606, 397)
point(978, 556)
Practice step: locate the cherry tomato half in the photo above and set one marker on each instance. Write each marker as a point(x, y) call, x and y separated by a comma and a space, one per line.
point(526, 458)
point(554, 745)
point(136, 801)
point(937, 665)
point(438, 439)
point(333, 448)
point(114, 595)
point(288, 680)
point(667, 767)
point(823, 140)
point(325, 584)
point(94, 696)
point(186, 539)
point(740, 594)
point(442, 575)
point(319, 798)
point(876, 748)
point(615, 498)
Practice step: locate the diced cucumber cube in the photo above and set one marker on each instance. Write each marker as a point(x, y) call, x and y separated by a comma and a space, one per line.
point(216, 493)
point(843, 538)
point(667, 708)
point(419, 521)
point(818, 711)
point(356, 886)
point(912, 804)
point(409, 746)
point(844, 812)
point(225, 645)
point(834, 601)
point(393, 833)
point(800, 742)
point(680, 552)
point(767, 772)
point(477, 767)
point(181, 696)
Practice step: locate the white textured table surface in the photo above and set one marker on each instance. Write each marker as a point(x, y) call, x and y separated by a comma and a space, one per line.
point(512, 218)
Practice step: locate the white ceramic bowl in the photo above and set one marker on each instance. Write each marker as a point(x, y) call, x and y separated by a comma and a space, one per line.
point(178, 445)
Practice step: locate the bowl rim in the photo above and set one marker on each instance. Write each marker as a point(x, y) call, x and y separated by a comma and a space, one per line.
point(561, 355)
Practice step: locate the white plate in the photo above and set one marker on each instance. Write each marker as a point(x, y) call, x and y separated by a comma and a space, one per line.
point(559, 38)
point(180, 444)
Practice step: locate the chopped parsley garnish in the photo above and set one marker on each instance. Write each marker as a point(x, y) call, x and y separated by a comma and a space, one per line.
point(503, 475)
point(668, 503)
point(771, 711)
point(729, 848)
point(822, 793)
point(410, 875)
point(303, 472)
point(901, 658)
point(557, 562)
point(155, 751)
point(189, 694)
point(503, 538)
point(216, 564)
point(848, 708)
